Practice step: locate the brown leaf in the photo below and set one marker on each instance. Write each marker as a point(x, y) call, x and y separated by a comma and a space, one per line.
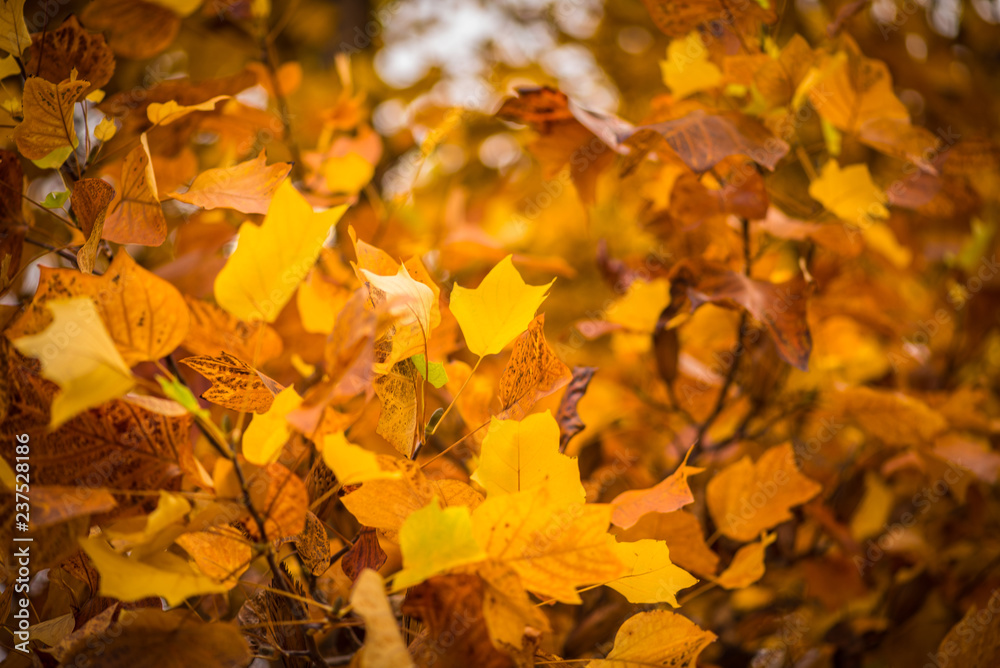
point(452, 601)
point(136, 216)
point(974, 642)
point(677, 18)
point(91, 199)
point(235, 384)
point(158, 639)
point(313, 545)
point(279, 497)
point(48, 117)
point(567, 416)
point(145, 316)
point(118, 445)
point(532, 373)
point(52, 504)
point(781, 307)
point(11, 187)
point(585, 140)
point(703, 140)
point(53, 55)
point(365, 553)
point(136, 29)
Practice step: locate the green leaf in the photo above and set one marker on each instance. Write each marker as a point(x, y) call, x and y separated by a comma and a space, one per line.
point(55, 159)
point(55, 200)
point(433, 373)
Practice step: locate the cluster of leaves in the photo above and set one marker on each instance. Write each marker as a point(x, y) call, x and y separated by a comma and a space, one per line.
point(753, 429)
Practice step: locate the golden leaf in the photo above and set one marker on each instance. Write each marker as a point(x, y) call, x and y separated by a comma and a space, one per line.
point(145, 316)
point(48, 117)
point(235, 384)
point(532, 373)
point(247, 187)
point(747, 498)
point(136, 216)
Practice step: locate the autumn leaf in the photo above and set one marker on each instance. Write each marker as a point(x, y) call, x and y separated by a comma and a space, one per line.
point(651, 577)
point(48, 132)
point(161, 639)
point(148, 325)
point(268, 431)
point(212, 331)
point(522, 455)
point(77, 354)
point(554, 544)
point(669, 494)
point(135, 29)
point(654, 639)
point(271, 260)
point(747, 565)
point(136, 216)
point(54, 54)
point(351, 463)
point(384, 646)
point(235, 384)
point(748, 497)
point(247, 187)
point(532, 373)
point(167, 112)
point(704, 140)
point(496, 311)
point(14, 35)
point(687, 69)
point(435, 540)
point(91, 201)
point(163, 574)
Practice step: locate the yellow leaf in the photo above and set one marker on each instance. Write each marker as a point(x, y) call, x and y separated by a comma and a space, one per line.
point(179, 7)
point(499, 309)
point(521, 455)
point(347, 174)
point(136, 216)
point(658, 638)
point(164, 575)
point(849, 193)
point(687, 68)
point(873, 511)
point(267, 433)
point(165, 113)
point(247, 187)
point(273, 258)
point(154, 532)
point(15, 38)
point(78, 355)
point(747, 566)
point(747, 498)
point(408, 304)
point(383, 644)
point(351, 463)
point(48, 117)
point(555, 545)
point(106, 129)
point(651, 577)
point(435, 540)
